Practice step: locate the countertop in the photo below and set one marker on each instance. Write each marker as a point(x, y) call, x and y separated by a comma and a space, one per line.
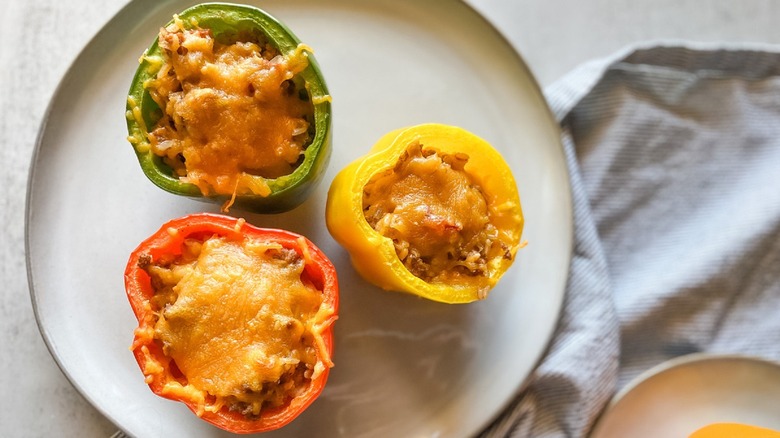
point(44, 36)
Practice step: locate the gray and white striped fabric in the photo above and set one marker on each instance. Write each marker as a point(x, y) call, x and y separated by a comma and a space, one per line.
point(674, 154)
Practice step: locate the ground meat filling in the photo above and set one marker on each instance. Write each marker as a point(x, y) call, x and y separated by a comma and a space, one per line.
point(234, 321)
point(230, 110)
point(435, 214)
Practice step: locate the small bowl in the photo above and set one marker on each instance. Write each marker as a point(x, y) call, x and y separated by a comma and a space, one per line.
point(679, 396)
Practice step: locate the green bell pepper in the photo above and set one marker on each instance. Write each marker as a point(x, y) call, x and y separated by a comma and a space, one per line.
point(226, 22)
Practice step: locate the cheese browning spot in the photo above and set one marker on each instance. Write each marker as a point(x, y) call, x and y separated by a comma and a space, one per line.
point(437, 217)
point(239, 322)
point(232, 113)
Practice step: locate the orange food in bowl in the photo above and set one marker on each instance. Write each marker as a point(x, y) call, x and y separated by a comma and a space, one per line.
point(734, 430)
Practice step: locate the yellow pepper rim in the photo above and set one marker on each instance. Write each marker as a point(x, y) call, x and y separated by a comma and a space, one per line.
point(385, 154)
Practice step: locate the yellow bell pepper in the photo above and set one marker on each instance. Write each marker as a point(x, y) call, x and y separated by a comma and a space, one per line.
point(376, 256)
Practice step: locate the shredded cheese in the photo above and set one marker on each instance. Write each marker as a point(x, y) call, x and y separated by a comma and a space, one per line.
point(321, 99)
point(239, 322)
point(437, 216)
point(232, 114)
point(186, 392)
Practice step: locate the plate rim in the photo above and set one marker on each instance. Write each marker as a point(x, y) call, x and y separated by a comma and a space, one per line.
point(568, 203)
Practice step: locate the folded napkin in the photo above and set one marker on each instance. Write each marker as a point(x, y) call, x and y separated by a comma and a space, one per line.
point(674, 156)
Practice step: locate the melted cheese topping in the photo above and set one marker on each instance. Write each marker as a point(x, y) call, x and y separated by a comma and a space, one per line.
point(240, 324)
point(230, 112)
point(436, 215)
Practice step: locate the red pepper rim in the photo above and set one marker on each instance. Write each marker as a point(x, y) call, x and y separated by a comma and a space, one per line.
point(168, 240)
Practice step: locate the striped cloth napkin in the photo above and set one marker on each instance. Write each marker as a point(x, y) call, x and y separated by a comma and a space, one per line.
point(674, 155)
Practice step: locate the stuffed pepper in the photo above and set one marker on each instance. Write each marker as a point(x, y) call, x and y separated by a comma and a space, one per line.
point(234, 321)
point(432, 210)
point(228, 105)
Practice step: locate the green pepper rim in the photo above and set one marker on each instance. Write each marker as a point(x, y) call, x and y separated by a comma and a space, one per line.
point(288, 191)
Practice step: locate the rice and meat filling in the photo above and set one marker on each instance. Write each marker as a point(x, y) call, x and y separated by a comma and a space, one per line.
point(437, 217)
point(235, 320)
point(229, 110)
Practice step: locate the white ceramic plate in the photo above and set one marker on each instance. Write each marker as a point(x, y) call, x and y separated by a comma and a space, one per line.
point(683, 395)
point(404, 366)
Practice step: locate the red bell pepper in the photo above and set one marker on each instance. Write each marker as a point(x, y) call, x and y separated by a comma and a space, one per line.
point(161, 370)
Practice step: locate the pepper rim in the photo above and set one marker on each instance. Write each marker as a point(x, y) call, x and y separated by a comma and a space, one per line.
point(138, 290)
point(287, 191)
point(383, 156)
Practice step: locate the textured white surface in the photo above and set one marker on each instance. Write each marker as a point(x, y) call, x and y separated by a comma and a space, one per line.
point(41, 38)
